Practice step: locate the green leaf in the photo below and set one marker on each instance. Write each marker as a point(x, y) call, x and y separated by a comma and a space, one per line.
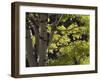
point(53, 46)
point(61, 28)
point(56, 37)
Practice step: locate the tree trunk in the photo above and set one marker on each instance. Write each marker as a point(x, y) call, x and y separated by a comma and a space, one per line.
point(43, 40)
point(40, 29)
point(30, 54)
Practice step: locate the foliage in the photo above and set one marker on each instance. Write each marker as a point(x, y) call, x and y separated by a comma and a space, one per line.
point(71, 41)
